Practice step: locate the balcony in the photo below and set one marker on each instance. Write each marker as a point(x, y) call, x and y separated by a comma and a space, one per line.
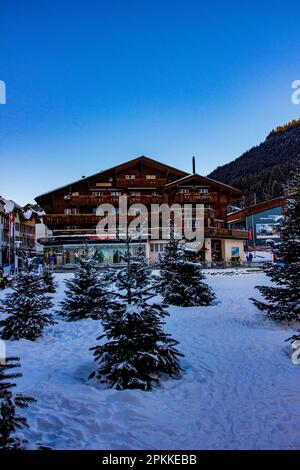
point(225, 233)
point(196, 197)
point(145, 199)
point(71, 219)
point(80, 220)
point(86, 200)
point(141, 182)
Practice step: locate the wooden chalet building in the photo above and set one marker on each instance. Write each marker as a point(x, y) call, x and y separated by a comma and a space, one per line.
point(71, 211)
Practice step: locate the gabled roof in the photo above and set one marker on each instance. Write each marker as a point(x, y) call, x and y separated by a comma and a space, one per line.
point(257, 208)
point(204, 180)
point(122, 166)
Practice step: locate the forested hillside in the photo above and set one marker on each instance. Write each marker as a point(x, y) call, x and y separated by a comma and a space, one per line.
point(265, 168)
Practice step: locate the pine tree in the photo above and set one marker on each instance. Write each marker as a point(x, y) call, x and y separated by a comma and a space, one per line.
point(181, 280)
point(48, 278)
point(87, 293)
point(140, 269)
point(283, 301)
point(137, 351)
point(27, 307)
point(10, 421)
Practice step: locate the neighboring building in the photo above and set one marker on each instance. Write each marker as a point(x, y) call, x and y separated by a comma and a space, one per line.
point(261, 222)
point(3, 235)
point(17, 233)
point(71, 211)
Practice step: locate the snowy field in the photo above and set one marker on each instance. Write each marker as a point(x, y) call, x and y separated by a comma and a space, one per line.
point(240, 389)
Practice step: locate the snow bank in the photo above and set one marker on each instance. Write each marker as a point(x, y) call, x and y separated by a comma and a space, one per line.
point(240, 389)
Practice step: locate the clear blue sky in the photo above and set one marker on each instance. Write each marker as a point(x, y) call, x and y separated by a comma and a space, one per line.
point(93, 83)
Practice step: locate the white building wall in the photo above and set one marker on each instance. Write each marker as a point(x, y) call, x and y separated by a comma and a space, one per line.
point(228, 245)
point(41, 231)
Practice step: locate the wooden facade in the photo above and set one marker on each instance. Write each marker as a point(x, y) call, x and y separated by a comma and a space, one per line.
point(71, 210)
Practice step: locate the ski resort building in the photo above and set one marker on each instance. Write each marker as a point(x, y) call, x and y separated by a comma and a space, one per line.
point(261, 222)
point(71, 212)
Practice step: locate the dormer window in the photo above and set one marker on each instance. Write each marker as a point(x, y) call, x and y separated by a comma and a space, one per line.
point(130, 177)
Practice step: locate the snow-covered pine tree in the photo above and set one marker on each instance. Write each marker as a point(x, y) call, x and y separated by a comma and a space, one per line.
point(283, 301)
point(181, 280)
point(137, 350)
point(10, 421)
point(87, 294)
point(140, 269)
point(27, 307)
point(48, 278)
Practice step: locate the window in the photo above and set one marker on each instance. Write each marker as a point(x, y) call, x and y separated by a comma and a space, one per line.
point(203, 190)
point(115, 193)
point(130, 177)
point(97, 193)
point(219, 223)
point(71, 210)
point(135, 193)
point(76, 193)
point(184, 190)
point(150, 177)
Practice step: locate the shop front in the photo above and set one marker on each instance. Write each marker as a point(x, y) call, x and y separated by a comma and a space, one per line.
point(106, 254)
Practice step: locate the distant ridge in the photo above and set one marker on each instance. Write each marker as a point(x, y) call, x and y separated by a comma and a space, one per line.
point(265, 168)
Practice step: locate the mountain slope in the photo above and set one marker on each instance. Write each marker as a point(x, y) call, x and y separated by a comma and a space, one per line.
point(265, 168)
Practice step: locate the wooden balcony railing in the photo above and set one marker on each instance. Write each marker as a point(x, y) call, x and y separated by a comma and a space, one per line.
point(196, 197)
point(141, 183)
point(70, 219)
point(224, 232)
point(80, 220)
point(145, 199)
point(86, 200)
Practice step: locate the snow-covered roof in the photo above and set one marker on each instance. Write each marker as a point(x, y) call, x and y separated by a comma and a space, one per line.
point(206, 179)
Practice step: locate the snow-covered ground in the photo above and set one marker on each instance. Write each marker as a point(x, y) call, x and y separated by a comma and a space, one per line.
point(240, 389)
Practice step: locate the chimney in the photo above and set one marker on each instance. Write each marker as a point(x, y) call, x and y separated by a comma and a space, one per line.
point(194, 165)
